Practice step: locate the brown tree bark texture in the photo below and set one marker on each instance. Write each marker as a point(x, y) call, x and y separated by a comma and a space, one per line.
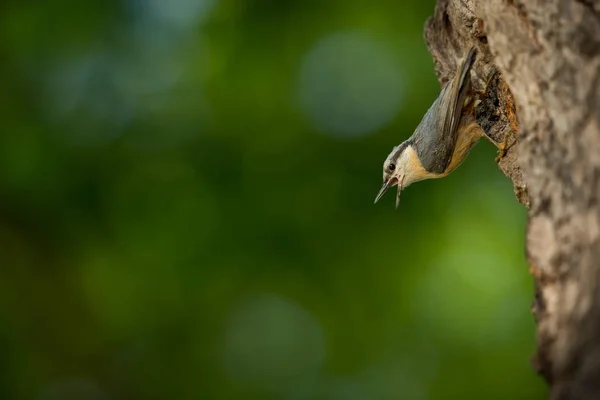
point(548, 96)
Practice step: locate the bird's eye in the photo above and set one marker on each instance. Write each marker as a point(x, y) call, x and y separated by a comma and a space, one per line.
point(392, 166)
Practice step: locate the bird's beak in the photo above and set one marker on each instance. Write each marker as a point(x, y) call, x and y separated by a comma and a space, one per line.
point(384, 188)
point(382, 191)
point(400, 188)
point(386, 185)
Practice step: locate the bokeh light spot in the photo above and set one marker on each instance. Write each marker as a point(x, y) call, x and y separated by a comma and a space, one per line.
point(350, 85)
point(446, 294)
point(272, 342)
point(81, 93)
point(470, 266)
point(177, 13)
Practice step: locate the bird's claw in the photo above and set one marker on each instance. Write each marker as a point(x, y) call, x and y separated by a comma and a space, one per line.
point(504, 146)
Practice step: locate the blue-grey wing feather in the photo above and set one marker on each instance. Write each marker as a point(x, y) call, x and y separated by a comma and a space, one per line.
point(435, 137)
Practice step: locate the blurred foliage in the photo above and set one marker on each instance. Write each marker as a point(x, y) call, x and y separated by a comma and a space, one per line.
point(186, 210)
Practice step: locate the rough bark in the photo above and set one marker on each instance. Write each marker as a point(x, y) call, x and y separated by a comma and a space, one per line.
point(548, 96)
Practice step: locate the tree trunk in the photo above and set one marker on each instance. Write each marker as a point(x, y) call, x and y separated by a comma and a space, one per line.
point(548, 96)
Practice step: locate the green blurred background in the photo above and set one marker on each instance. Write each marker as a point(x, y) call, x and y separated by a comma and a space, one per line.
point(187, 210)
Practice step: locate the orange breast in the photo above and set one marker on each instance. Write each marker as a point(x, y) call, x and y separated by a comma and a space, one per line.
point(469, 133)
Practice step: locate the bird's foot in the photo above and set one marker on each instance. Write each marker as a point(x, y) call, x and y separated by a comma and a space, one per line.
point(502, 147)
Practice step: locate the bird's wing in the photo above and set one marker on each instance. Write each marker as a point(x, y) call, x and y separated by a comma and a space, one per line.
point(451, 105)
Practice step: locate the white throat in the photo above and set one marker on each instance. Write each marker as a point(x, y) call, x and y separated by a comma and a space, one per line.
point(410, 169)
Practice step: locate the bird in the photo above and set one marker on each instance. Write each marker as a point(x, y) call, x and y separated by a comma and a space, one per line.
point(444, 137)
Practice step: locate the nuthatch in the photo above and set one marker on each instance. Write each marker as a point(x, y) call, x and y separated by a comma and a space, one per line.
point(443, 139)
